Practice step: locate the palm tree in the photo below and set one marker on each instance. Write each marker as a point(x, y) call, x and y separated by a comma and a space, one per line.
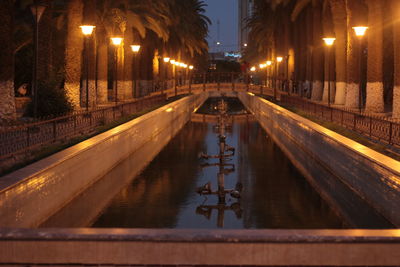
point(339, 16)
point(396, 42)
point(374, 102)
point(318, 52)
point(73, 51)
point(353, 10)
point(7, 100)
point(90, 18)
point(46, 43)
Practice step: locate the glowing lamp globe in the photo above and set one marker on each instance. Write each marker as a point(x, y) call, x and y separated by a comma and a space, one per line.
point(135, 48)
point(360, 30)
point(116, 40)
point(279, 59)
point(87, 29)
point(166, 59)
point(329, 41)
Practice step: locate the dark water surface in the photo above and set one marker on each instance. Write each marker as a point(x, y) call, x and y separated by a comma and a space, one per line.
point(274, 195)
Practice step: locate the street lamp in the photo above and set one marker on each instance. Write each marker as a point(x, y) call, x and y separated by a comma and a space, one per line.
point(135, 50)
point(360, 32)
point(87, 31)
point(329, 41)
point(278, 60)
point(37, 10)
point(116, 41)
point(269, 63)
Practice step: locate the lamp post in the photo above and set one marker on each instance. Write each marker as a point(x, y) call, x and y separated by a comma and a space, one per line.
point(287, 75)
point(269, 63)
point(278, 60)
point(135, 49)
point(87, 31)
point(166, 61)
point(329, 41)
point(116, 41)
point(37, 12)
point(360, 32)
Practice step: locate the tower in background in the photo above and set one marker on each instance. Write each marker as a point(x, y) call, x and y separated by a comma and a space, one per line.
point(245, 11)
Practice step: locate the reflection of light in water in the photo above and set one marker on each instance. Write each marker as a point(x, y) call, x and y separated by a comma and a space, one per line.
point(225, 154)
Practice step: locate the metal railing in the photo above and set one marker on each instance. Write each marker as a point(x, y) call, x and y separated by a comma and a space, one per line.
point(23, 138)
point(374, 127)
point(29, 136)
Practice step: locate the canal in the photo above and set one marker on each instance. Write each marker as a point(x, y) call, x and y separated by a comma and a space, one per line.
point(273, 193)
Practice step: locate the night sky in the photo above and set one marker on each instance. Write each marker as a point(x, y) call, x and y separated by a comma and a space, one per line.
point(226, 11)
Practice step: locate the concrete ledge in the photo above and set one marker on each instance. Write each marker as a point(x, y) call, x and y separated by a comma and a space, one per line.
point(32, 194)
point(208, 247)
point(375, 178)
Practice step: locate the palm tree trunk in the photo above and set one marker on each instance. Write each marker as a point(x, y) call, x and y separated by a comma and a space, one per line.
point(73, 52)
point(353, 51)
point(45, 48)
point(338, 9)
point(90, 19)
point(309, 54)
point(102, 70)
point(318, 52)
point(396, 44)
point(374, 95)
point(7, 99)
point(329, 66)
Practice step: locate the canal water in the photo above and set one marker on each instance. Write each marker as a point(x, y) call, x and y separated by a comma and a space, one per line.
point(251, 184)
point(273, 194)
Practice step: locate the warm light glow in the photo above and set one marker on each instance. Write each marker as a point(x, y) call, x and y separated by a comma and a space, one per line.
point(185, 66)
point(116, 40)
point(253, 68)
point(135, 48)
point(191, 67)
point(218, 43)
point(261, 66)
point(329, 41)
point(172, 61)
point(251, 94)
point(360, 30)
point(245, 45)
point(168, 109)
point(87, 29)
point(269, 63)
point(166, 59)
point(279, 59)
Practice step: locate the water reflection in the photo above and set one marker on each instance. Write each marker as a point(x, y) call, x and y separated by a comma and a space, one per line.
point(226, 152)
point(165, 195)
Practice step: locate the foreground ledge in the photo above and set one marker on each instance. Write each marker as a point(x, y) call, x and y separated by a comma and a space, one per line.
point(208, 247)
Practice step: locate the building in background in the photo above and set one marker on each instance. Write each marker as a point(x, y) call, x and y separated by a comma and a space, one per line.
point(245, 11)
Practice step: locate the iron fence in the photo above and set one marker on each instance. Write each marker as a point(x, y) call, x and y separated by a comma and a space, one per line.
point(374, 127)
point(22, 138)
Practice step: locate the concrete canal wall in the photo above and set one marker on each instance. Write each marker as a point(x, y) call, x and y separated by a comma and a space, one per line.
point(32, 194)
point(345, 172)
